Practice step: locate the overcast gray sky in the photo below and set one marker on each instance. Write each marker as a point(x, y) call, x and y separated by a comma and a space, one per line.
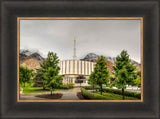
point(102, 37)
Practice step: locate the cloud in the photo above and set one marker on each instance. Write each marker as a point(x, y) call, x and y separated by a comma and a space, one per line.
point(107, 37)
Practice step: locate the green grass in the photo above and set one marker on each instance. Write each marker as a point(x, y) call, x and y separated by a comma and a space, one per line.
point(36, 90)
point(117, 91)
point(112, 96)
point(105, 96)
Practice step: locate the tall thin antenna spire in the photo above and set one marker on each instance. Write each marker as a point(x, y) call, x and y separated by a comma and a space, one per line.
point(74, 55)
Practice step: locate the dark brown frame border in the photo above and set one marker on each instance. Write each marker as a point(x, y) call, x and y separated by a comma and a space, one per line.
point(11, 9)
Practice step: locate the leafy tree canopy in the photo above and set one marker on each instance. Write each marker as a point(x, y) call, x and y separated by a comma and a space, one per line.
point(25, 74)
point(137, 81)
point(124, 70)
point(101, 73)
point(91, 79)
point(52, 79)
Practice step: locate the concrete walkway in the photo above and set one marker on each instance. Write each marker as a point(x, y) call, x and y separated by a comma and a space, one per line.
point(68, 94)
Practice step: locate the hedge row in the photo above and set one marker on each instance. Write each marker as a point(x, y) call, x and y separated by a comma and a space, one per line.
point(116, 91)
point(126, 93)
point(106, 96)
point(89, 95)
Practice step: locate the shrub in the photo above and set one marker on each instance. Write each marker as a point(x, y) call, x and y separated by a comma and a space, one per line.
point(71, 85)
point(64, 87)
point(90, 87)
point(105, 96)
point(90, 95)
point(126, 93)
point(113, 96)
point(68, 86)
point(28, 84)
point(116, 91)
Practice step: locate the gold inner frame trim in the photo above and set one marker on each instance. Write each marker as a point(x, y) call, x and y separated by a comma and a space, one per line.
point(78, 18)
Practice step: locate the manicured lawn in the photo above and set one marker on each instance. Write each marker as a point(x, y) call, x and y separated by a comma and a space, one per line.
point(116, 96)
point(105, 95)
point(36, 90)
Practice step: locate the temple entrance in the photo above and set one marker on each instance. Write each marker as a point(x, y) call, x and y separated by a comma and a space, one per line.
point(81, 80)
point(67, 80)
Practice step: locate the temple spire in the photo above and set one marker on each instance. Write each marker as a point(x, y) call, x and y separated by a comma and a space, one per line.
point(74, 55)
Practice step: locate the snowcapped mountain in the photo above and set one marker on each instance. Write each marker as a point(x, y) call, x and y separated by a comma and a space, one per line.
point(30, 54)
point(94, 57)
point(32, 59)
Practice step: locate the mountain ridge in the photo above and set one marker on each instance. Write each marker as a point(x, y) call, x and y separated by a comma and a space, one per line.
point(93, 57)
point(30, 54)
point(32, 59)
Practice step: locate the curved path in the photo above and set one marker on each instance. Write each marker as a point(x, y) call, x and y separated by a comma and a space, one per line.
point(68, 94)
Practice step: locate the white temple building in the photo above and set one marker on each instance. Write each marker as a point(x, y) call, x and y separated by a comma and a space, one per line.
point(71, 69)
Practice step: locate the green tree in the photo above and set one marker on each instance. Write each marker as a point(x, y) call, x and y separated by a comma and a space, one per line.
point(91, 80)
point(25, 75)
point(52, 79)
point(137, 81)
point(39, 79)
point(101, 73)
point(124, 71)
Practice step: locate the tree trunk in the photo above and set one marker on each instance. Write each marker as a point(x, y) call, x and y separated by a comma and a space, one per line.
point(101, 89)
point(43, 86)
point(51, 92)
point(93, 88)
point(123, 93)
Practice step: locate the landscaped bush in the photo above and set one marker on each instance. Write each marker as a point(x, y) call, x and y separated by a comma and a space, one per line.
point(64, 87)
point(105, 95)
point(28, 84)
point(71, 85)
point(126, 93)
point(89, 95)
point(113, 96)
point(116, 91)
point(68, 86)
point(90, 87)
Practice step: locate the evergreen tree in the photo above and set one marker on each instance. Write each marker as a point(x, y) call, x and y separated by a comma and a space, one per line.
point(124, 71)
point(91, 80)
point(101, 73)
point(39, 79)
point(25, 75)
point(52, 79)
point(137, 81)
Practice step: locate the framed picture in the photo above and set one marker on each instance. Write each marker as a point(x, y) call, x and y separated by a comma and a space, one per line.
point(75, 82)
point(80, 59)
